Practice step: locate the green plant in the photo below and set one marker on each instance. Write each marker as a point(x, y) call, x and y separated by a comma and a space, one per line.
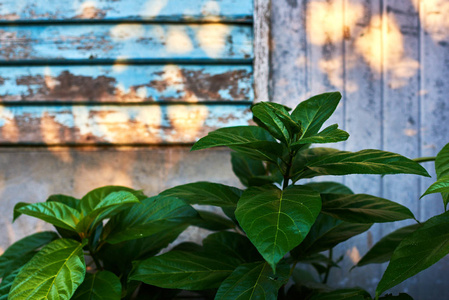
point(415, 248)
point(281, 228)
point(107, 229)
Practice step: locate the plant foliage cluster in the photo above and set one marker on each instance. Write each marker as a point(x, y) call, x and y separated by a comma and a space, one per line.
point(275, 238)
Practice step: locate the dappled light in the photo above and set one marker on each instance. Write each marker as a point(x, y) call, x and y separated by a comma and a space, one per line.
point(178, 41)
point(434, 15)
point(187, 120)
point(213, 38)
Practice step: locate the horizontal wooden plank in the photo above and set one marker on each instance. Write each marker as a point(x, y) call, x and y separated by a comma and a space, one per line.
point(126, 83)
point(160, 10)
point(107, 124)
point(125, 41)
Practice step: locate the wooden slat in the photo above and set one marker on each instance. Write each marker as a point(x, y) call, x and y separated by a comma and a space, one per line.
point(126, 83)
point(138, 124)
point(262, 16)
point(158, 10)
point(125, 41)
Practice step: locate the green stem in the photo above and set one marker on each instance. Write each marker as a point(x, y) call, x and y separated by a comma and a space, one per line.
point(287, 171)
point(329, 266)
point(424, 159)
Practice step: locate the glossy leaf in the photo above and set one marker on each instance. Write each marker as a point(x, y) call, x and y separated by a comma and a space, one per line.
point(253, 281)
point(253, 141)
point(383, 250)
point(312, 113)
point(362, 162)
point(276, 221)
point(253, 172)
point(152, 215)
point(183, 270)
point(305, 156)
point(67, 200)
point(440, 186)
point(275, 120)
point(362, 208)
point(17, 213)
point(417, 252)
point(12, 258)
point(5, 285)
point(346, 294)
point(329, 187)
point(326, 233)
point(442, 170)
point(54, 213)
point(330, 134)
point(109, 206)
point(102, 285)
point(212, 221)
point(55, 272)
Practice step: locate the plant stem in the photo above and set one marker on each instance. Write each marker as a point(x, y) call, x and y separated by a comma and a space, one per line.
point(287, 171)
point(424, 159)
point(329, 266)
point(96, 261)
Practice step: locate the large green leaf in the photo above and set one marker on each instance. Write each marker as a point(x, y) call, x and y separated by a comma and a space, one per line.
point(12, 258)
point(329, 187)
point(346, 294)
point(55, 213)
point(442, 170)
point(67, 200)
point(55, 272)
point(305, 156)
point(253, 172)
point(183, 270)
point(109, 206)
point(330, 134)
point(276, 120)
point(326, 233)
point(253, 281)
point(312, 113)
point(212, 221)
point(417, 252)
point(362, 208)
point(5, 285)
point(102, 285)
point(277, 220)
point(253, 141)
point(362, 162)
point(152, 215)
point(383, 250)
point(440, 186)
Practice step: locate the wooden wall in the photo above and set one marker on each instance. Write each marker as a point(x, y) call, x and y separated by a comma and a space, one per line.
point(390, 60)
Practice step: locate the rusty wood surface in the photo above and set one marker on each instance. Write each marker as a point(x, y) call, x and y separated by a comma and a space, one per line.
point(137, 10)
point(125, 83)
point(107, 124)
point(125, 41)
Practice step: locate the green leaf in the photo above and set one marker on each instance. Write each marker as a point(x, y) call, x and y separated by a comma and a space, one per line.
point(109, 206)
point(212, 221)
point(383, 250)
point(253, 141)
point(362, 162)
point(102, 285)
point(183, 270)
point(305, 156)
point(346, 294)
point(253, 281)
point(55, 272)
point(152, 215)
point(440, 186)
point(326, 233)
point(5, 285)
point(67, 200)
point(276, 221)
point(277, 121)
point(17, 213)
point(362, 208)
point(442, 162)
point(329, 187)
point(54, 213)
point(417, 252)
point(12, 258)
point(252, 172)
point(312, 113)
point(401, 296)
point(330, 134)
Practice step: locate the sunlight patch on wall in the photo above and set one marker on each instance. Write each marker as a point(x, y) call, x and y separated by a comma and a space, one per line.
point(9, 129)
point(212, 38)
point(434, 15)
point(187, 120)
point(211, 9)
point(153, 7)
point(123, 32)
point(178, 41)
point(353, 254)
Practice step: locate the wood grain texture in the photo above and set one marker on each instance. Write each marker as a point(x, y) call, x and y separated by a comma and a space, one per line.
point(158, 10)
point(125, 41)
point(262, 41)
point(107, 124)
point(126, 83)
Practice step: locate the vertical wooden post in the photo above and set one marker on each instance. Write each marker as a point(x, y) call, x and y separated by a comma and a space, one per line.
point(262, 13)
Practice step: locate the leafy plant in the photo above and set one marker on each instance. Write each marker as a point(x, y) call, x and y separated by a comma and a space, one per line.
point(414, 248)
point(281, 227)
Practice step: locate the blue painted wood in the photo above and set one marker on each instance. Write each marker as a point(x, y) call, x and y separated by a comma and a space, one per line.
point(125, 41)
point(156, 10)
point(108, 124)
point(126, 83)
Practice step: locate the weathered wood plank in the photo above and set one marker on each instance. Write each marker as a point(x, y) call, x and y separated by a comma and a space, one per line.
point(126, 83)
point(107, 124)
point(159, 10)
point(434, 121)
point(262, 18)
point(125, 41)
